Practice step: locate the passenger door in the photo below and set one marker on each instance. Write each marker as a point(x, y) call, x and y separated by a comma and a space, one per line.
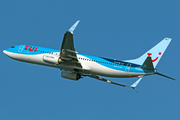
point(21, 48)
point(127, 67)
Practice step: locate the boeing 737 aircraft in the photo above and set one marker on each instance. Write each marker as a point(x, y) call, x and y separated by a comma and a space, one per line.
point(75, 65)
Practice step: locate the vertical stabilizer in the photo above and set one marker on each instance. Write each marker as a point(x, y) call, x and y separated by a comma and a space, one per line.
point(155, 53)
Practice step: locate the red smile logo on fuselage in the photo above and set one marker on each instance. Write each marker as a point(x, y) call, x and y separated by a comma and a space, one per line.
point(149, 54)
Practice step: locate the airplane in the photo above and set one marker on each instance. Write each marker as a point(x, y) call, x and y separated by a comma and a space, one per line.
point(75, 65)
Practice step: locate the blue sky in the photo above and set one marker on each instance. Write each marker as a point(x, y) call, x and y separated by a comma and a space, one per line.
point(113, 29)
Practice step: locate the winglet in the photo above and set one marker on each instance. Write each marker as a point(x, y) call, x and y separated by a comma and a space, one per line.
point(136, 83)
point(71, 30)
point(133, 86)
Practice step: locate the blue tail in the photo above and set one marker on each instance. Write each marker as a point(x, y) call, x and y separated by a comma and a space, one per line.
point(155, 53)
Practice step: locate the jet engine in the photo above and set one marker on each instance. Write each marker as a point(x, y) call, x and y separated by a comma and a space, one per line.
point(51, 59)
point(70, 75)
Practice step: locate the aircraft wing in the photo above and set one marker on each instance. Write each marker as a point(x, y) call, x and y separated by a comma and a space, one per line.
point(115, 83)
point(106, 80)
point(67, 51)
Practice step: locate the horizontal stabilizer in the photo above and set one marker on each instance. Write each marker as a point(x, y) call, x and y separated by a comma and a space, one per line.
point(164, 75)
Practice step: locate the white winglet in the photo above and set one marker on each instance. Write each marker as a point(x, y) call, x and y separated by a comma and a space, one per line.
point(136, 83)
point(71, 30)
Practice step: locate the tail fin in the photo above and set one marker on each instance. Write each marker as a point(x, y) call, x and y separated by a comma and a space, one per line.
point(155, 53)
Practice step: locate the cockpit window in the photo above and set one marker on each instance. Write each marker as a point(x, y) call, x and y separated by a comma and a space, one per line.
point(13, 47)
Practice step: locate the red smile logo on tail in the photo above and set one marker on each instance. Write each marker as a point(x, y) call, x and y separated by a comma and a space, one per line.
point(149, 54)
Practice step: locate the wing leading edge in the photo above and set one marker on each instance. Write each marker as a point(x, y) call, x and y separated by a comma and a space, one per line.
point(133, 86)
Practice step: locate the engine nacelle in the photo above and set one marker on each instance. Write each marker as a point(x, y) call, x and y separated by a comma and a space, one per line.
point(70, 75)
point(51, 59)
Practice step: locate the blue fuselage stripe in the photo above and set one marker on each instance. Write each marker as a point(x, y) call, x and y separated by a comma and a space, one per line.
point(109, 63)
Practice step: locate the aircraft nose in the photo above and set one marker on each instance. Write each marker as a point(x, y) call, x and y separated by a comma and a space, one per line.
point(9, 54)
point(5, 52)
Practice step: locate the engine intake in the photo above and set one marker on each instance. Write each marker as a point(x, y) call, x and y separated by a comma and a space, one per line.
point(70, 75)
